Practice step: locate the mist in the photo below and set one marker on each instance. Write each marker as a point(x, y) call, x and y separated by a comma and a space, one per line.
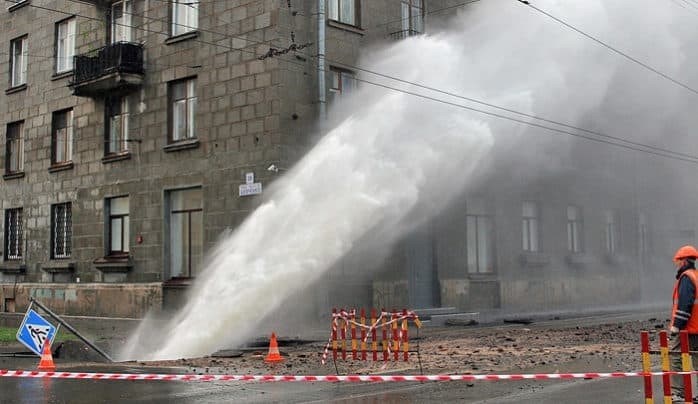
point(392, 161)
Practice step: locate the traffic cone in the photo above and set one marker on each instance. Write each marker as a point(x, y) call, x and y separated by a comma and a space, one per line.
point(46, 362)
point(273, 355)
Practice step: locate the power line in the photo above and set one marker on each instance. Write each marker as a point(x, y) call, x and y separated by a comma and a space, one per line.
point(607, 46)
point(634, 145)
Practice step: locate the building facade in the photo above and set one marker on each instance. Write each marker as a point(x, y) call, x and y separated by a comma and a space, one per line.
point(129, 127)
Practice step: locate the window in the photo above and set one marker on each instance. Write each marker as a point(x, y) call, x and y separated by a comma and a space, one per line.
point(121, 21)
point(574, 230)
point(18, 61)
point(479, 238)
point(14, 234)
point(185, 16)
point(61, 230)
point(65, 45)
point(186, 229)
point(412, 16)
point(117, 117)
point(642, 237)
point(344, 11)
point(611, 232)
point(14, 148)
point(530, 225)
point(182, 109)
point(62, 139)
point(117, 214)
point(343, 81)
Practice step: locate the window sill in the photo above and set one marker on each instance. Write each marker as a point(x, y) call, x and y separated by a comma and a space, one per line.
point(61, 167)
point(578, 259)
point(534, 259)
point(61, 75)
point(482, 276)
point(345, 27)
point(110, 158)
point(18, 5)
point(113, 264)
point(181, 145)
point(178, 283)
point(13, 176)
point(16, 89)
point(57, 267)
point(181, 37)
point(13, 267)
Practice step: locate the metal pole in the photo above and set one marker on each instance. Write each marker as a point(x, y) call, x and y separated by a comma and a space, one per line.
point(71, 329)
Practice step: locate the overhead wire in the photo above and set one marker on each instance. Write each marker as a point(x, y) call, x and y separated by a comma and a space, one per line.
point(611, 139)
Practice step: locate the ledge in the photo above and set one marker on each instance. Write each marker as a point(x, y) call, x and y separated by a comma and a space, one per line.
point(60, 167)
point(182, 145)
point(110, 158)
point(178, 283)
point(16, 89)
point(18, 5)
point(12, 176)
point(614, 259)
point(58, 267)
point(62, 75)
point(13, 267)
point(534, 259)
point(578, 259)
point(345, 27)
point(181, 37)
point(114, 264)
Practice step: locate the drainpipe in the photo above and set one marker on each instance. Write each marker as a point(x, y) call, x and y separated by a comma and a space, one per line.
point(322, 101)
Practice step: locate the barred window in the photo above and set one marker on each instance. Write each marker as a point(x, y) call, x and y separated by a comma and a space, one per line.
point(61, 230)
point(14, 234)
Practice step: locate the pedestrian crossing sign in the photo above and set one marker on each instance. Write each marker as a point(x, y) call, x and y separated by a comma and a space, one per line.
point(34, 331)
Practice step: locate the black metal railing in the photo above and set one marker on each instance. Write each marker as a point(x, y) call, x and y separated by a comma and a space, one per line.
point(405, 33)
point(120, 57)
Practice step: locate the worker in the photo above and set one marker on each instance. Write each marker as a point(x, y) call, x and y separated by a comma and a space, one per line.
point(684, 314)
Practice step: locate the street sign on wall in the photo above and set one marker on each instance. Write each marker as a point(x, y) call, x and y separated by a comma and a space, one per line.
point(250, 187)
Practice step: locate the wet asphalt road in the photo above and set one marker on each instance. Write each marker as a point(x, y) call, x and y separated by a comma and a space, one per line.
point(58, 391)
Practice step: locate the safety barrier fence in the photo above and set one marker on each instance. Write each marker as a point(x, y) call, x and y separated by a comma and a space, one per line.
point(330, 378)
point(666, 373)
point(393, 340)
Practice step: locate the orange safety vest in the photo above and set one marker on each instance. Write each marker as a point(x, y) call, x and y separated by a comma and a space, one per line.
point(692, 325)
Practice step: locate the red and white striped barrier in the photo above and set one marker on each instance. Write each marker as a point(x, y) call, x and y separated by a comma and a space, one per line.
point(308, 378)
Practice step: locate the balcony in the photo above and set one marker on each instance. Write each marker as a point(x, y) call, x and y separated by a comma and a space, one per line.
point(110, 70)
point(405, 33)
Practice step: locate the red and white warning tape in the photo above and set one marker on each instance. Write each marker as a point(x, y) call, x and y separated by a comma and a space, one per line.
point(307, 378)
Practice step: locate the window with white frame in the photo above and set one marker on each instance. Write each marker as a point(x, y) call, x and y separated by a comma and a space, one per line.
point(62, 137)
point(18, 61)
point(341, 81)
point(117, 111)
point(182, 95)
point(121, 21)
point(479, 237)
point(185, 16)
point(611, 232)
point(14, 234)
point(186, 229)
point(119, 226)
point(65, 45)
point(61, 230)
point(642, 237)
point(344, 11)
point(574, 230)
point(529, 227)
point(412, 12)
point(14, 148)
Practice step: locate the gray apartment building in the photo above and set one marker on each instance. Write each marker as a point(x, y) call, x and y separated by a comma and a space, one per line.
point(129, 127)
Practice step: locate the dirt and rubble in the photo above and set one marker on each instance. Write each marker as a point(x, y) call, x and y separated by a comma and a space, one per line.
point(602, 347)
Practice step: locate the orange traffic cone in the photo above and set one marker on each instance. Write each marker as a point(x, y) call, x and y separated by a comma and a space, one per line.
point(46, 362)
point(273, 355)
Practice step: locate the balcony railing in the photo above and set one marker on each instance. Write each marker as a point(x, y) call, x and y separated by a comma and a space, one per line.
point(405, 33)
point(112, 67)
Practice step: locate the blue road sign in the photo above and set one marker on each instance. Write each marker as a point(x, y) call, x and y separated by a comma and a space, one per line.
point(34, 331)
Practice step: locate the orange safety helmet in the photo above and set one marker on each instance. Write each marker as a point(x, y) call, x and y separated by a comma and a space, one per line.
point(687, 251)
